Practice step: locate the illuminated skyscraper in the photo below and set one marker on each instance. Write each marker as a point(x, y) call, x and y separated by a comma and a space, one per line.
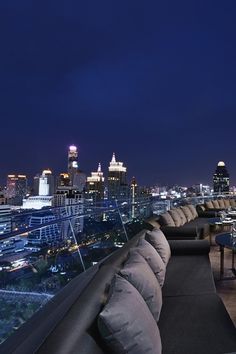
point(117, 184)
point(95, 185)
point(16, 188)
point(63, 180)
point(221, 179)
point(72, 163)
point(45, 190)
point(46, 183)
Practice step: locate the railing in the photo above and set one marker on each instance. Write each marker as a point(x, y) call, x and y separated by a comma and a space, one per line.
point(48, 248)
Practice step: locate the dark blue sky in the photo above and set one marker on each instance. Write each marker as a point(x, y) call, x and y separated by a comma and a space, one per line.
point(154, 81)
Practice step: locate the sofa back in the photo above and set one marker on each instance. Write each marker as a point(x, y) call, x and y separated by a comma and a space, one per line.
point(177, 216)
point(220, 204)
point(77, 331)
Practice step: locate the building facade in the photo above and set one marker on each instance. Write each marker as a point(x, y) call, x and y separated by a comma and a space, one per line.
point(5, 219)
point(72, 163)
point(117, 180)
point(17, 188)
point(221, 179)
point(95, 185)
point(50, 235)
point(70, 203)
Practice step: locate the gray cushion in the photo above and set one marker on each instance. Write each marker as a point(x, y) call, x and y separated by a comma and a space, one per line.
point(227, 203)
point(176, 217)
point(148, 252)
point(193, 210)
point(187, 213)
point(232, 203)
point(160, 243)
point(182, 216)
point(137, 271)
point(221, 203)
point(126, 324)
point(209, 205)
point(215, 204)
point(166, 220)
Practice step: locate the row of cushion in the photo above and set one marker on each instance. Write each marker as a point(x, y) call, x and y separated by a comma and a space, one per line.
point(178, 216)
point(220, 204)
point(128, 322)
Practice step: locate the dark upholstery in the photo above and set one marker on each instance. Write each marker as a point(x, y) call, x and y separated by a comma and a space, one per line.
point(197, 228)
point(194, 279)
point(181, 233)
point(189, 247)
point(205, 213)
point(196, 324)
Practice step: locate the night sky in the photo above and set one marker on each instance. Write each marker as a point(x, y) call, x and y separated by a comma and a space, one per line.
point(153, 81)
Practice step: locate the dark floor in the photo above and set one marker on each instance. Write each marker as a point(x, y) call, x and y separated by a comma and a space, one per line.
point(226, 288)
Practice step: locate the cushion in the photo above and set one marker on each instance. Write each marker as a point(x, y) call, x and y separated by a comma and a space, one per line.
point(160, 243)
point(193, 210)
point(148, 252)
point(126, 324)
point(201, 207)
point(166, 220)
point(227, 203)
point(182, 216)
point(215, 204)
point(137, 271)
point(176, 217)
point(232, 203)
point(187, 213)
point(221, 203)
point(209, 205)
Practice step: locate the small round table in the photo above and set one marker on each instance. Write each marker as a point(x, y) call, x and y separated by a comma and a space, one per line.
point(226, 241)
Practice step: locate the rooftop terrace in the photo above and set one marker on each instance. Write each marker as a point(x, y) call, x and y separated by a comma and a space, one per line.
point(53, 252)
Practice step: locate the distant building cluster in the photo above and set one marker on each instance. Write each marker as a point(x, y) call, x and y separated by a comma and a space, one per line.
point(68, 192)
point(70, 186)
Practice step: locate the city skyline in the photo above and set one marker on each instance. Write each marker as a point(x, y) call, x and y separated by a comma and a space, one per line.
point(105, 168)
point(154, 82)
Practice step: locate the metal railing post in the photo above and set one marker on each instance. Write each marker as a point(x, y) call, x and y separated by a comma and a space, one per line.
point(80, 256)
point(123, 225)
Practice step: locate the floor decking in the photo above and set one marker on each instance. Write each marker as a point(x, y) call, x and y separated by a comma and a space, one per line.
point(226, 288)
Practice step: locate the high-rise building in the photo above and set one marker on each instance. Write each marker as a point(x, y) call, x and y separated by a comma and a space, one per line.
point(16, 188)
point(72, 163)
point(72, 202)
point(46, 183)
point(95, 185)
point(117, 184)
point(221, 179)
point(5, 219)
point(63, 180)
point(44, 236)
point(45, 188)
point(36, 184)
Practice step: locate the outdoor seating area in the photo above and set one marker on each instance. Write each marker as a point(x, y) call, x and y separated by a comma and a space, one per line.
point(215, 206)
point(157, 294)
point(182, 223)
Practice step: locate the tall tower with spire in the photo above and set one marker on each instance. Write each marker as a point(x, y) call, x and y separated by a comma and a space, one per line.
point(95, 185)
point(117, 183)
point(72, 163)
